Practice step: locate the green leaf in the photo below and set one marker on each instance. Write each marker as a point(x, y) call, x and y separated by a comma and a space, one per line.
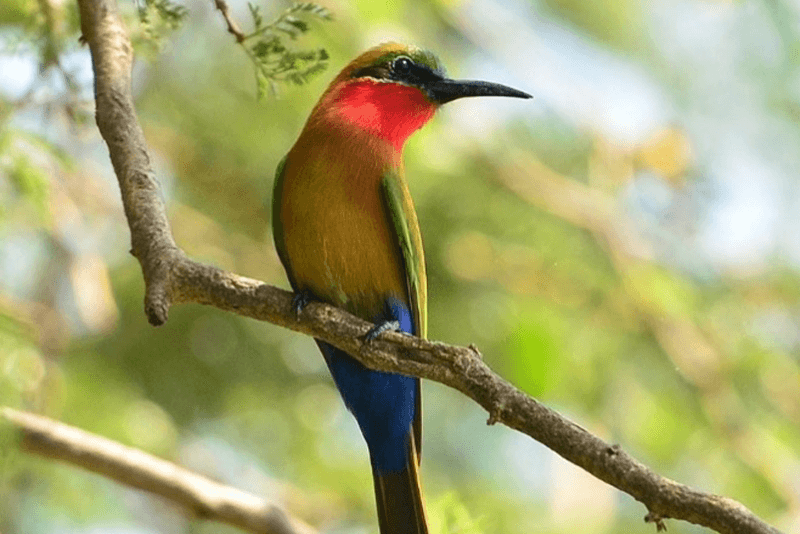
point(255, 12)
point(273, 60)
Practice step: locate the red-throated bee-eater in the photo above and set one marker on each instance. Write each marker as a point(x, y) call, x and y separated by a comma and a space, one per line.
point(347, 234)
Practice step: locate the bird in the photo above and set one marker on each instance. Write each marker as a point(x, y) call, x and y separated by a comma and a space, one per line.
point(347, 234)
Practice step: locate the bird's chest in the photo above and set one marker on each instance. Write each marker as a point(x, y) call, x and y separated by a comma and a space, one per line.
point(341, 244)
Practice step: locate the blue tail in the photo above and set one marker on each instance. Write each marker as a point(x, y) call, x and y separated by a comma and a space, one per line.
point(384, 404)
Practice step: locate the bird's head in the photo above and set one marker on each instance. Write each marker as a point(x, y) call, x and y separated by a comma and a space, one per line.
point(392, 90)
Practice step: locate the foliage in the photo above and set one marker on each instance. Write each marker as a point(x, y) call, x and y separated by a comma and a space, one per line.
point(273, 59)
point(158, 18)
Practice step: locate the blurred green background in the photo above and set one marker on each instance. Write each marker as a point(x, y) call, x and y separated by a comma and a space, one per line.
point(625, 247)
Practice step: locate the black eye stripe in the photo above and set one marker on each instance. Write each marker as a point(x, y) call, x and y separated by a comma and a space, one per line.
point(401, 69)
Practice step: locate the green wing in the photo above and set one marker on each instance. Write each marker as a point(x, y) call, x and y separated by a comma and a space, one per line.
point(400, 209)
point(277, 226)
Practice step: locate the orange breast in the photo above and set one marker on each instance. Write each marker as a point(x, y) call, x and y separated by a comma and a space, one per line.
point(337, 234)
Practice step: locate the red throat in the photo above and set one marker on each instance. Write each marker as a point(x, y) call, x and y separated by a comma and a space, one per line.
point(391, 111)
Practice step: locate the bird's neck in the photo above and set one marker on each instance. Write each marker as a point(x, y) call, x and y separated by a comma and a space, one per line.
point(390, 112)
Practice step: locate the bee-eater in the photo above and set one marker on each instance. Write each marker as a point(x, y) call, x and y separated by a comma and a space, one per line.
point(347, 234)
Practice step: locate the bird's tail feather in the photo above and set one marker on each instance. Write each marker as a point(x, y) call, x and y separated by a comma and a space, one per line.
point(399, 498)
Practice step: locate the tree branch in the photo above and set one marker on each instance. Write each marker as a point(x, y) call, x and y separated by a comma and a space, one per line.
point(170, 277)
point(138, 469)
point(233, 27)
point(686, 343)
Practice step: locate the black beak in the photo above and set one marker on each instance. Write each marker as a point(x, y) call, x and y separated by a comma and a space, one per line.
point(443, 91)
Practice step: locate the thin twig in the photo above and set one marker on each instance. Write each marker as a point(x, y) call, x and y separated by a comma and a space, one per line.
point(233, 27)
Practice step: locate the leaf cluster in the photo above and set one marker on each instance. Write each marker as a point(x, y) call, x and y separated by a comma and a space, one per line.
point(274, 60)
point(158, 18)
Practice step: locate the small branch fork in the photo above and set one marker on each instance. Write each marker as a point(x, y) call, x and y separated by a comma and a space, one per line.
point(170, 278)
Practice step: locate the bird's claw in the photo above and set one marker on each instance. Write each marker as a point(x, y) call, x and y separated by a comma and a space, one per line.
point(300, 300)
point(379, 329)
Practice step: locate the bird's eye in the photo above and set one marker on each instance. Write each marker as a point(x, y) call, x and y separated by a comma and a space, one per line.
point(401, 65)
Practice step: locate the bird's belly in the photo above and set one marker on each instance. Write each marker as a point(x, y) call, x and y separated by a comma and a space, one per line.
point(345, 255)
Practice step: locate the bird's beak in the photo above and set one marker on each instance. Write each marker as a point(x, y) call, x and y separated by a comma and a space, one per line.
point(443, 91)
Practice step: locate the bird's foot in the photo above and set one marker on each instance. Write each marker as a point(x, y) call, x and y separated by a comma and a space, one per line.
point(380, 328)
point(300, 300)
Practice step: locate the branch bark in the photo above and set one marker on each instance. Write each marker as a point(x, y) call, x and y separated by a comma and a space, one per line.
point(170, 277)
point(233, 27)
point(138, 469)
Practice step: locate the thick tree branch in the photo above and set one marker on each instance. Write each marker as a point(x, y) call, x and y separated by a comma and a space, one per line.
point(170, 277)
point(151, 237)
point(204, 497)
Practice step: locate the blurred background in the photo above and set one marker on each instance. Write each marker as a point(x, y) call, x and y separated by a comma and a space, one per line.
point(625, 247)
